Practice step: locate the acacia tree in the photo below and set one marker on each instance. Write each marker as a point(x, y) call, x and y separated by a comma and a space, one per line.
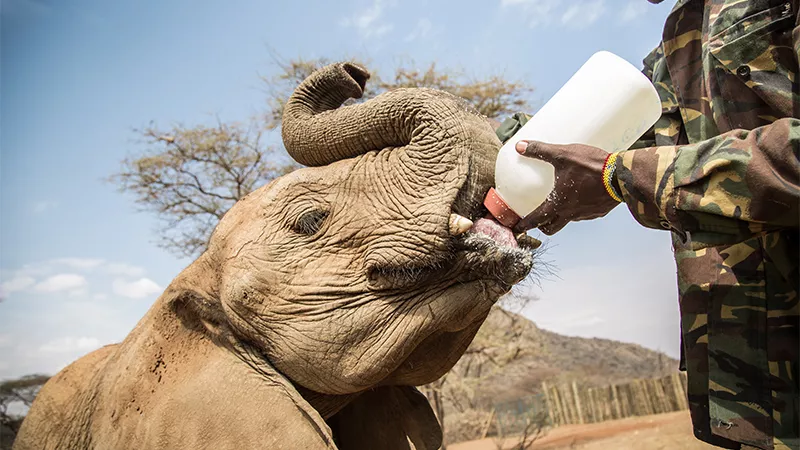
point(190, 176)
point(19, 392)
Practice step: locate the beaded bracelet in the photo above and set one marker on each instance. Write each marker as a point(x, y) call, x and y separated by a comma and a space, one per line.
point(608, 173)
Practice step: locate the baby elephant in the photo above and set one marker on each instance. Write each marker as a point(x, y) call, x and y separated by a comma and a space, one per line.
point(323, 298)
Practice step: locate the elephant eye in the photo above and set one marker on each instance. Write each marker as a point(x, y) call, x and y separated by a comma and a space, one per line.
point(310, 222)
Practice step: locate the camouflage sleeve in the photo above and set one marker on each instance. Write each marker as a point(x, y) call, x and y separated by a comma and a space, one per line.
point(510, 126)
point(648, 139)
point(720, 191)
point(667, 129)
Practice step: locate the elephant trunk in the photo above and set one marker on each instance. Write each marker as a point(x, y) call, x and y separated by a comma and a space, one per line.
point(317, 132)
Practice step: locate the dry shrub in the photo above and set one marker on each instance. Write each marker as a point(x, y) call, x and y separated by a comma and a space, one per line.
point(467, 425)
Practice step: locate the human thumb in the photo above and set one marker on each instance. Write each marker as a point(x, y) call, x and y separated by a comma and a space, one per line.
point(538, 150)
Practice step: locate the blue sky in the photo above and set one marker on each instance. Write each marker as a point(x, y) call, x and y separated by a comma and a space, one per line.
point(77, 261)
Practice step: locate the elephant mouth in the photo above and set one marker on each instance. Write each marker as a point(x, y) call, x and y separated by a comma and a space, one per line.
point(502, 235)
point(483, 250)
point(491, 251)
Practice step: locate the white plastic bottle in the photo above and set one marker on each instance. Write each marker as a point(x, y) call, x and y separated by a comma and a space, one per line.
point(608, 103)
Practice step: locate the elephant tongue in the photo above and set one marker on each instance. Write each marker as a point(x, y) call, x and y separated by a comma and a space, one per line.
point(499, 233)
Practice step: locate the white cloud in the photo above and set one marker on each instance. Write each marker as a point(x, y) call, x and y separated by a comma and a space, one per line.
point(34, 270)
point(579, 14)
point(40, 207)
point(633, 10)
point(536, 12)
point(42, 268)
point(5, 340)
point(55, 265)
point(532, 5)
point(78, 293)
point(70, 345)
point(135, 289)
point(370, 23)
point(421, 31)
point(583, 14)
point(124, 269)
point(73, 275)
point(18, 283)
point(62, 282)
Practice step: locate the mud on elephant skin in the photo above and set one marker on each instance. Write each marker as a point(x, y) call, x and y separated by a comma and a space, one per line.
point(323, 297)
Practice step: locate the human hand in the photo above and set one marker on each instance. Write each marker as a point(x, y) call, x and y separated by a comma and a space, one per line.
point(578, 193)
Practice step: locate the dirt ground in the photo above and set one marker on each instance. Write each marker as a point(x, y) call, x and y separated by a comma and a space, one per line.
point(662, 431)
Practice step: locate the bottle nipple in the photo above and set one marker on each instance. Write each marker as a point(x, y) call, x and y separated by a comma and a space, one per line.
point(500, 209)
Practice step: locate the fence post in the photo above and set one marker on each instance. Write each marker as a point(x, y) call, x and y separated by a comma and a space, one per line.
point(648, 401)
point(663, 393)
point(602, 399)
point(616, 401)
point(577, 402)
point(627, 404)
point(680, 395)
point(571, 396)
point(562, 397)
point(558, 406)
point(487, 425)
point(548, 404)
point(565, 406)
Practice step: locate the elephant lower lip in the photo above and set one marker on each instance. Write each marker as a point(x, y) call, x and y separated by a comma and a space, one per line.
point(492, 229)
point(495, 260)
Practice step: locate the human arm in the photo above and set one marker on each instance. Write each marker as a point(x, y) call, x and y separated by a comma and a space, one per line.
point(719, 191)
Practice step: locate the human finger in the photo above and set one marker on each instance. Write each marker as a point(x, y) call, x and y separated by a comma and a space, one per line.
point(539, 150)
point(540, 215)
point(553, 227)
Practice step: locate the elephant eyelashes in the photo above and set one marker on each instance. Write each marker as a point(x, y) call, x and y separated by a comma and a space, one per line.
point(310, 222)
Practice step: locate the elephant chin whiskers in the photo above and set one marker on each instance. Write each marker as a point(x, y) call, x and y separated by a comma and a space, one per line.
point(405, 276)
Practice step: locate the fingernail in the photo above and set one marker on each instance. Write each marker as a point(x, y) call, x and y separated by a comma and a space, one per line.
point(521, 146)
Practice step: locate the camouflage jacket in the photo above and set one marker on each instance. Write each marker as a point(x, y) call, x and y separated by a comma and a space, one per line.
point(721, 170)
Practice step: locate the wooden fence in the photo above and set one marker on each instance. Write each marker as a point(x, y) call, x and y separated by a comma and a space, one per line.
point(573, 404)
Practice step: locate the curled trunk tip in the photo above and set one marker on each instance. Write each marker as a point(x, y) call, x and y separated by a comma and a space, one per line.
point(359, 75)
point(324, 90)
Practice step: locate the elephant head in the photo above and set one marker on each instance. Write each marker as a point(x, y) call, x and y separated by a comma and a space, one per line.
point(364, 270)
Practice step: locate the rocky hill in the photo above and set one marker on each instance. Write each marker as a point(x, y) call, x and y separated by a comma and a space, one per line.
point(511, 357)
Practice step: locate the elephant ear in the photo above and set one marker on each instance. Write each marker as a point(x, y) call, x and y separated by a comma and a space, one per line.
point(389, 417)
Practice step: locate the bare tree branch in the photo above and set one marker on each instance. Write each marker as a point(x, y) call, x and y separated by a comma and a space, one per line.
point(189, 177)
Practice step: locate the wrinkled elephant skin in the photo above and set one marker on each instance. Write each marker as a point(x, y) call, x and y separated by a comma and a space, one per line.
point(322, 299)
